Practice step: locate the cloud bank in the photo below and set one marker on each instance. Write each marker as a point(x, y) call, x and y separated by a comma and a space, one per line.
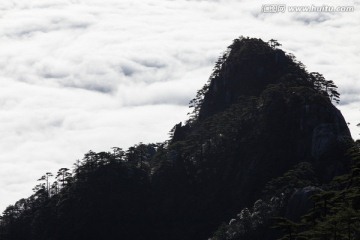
point(89, 74)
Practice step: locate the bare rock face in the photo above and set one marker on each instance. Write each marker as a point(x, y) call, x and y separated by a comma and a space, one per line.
point(329, 134)
point(300, 202)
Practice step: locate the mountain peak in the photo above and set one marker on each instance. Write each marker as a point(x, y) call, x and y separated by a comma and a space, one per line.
point(276, 95)
point(245, 69)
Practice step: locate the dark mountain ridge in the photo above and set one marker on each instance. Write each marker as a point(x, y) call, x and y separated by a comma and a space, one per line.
point(260, 115)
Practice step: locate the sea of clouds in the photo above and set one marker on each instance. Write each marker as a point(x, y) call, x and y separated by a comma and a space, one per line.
point(93, 74)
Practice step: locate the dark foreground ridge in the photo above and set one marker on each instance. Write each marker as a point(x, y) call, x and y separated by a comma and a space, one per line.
point(264, 155)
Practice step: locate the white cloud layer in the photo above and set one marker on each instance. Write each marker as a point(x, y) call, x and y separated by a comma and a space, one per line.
point(92, 74)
